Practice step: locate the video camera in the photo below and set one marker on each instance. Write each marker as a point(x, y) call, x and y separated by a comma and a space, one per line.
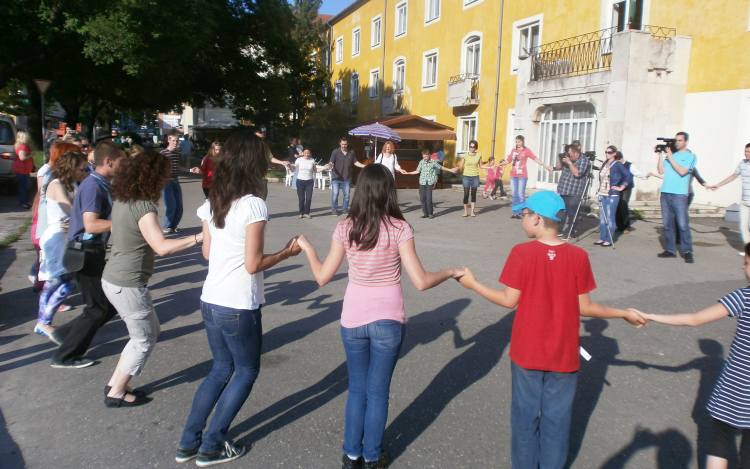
point(668, 143)
point(591, 155)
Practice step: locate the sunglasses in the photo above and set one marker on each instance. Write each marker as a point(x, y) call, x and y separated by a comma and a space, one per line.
point(472, 146)
point(609, 152)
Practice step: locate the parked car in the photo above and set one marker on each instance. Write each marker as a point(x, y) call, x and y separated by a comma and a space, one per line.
point(8, 181)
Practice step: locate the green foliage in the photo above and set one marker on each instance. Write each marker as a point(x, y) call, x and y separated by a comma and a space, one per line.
point(638, 214)
point(324, 127)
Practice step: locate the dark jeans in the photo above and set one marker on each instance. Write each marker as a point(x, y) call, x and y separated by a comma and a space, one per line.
point(235, 337)
point(622, 217)
point(97, 311)
point(541, 407)
point(172, 195)
point(304, 193)
point(336, 185)
point(571, 205)
point(425, 197)
point(23, 188)
point(674, 211)
point(498, 182)
point(371, 355)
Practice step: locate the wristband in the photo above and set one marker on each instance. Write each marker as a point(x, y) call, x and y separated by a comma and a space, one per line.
point(195, 236)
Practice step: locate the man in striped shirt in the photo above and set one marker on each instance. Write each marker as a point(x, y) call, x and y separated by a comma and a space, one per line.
point(172, 192)
point(743, 170)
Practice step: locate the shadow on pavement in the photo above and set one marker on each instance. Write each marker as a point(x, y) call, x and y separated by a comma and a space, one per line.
point(673, 450)
point(10, 453)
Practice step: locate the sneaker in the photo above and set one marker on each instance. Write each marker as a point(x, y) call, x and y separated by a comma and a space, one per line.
point(50, 336)
point(666, 255)
point(335, 213)
point(430, 216)
point(503, 197)
point(32, 279)
point(301, 216)
point(64, 308)
point(626, 231)
point(177, 230)
point(560, 235)
point(381, 463)
point(423, 216)
point(77, 363)
point(492, 197)
point(741, 253)
point(689, 258)
point(307, 215)
point(225, 454)
point(349, 463)
point(346, 213)
point(167, 231)
point(185, 455)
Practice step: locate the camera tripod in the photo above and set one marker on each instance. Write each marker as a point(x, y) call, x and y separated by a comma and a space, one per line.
point(585, 197)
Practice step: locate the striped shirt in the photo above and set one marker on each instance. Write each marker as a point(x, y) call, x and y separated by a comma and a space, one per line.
point(380, 266)
point(730, 401)
point(174, 157)
point(743, 169)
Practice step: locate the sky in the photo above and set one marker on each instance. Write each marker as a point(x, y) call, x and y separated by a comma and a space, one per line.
point(333, 7)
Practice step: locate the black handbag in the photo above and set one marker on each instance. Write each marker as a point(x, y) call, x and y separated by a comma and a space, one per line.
point(74, 256)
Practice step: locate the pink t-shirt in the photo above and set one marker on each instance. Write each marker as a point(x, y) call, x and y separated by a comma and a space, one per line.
point(494, 173)
point(517, 158)
point(374, 290)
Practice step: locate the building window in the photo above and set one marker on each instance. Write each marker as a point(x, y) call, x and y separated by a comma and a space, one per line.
point(399, 75)
point(471, 3)
point(340, 50)
point(375, 36)
point(354, 88)
point(432, 11)
point(374, 83)
point(561, 125)
point(627, 14)
point(401, 15)
point(472, 55)
point(527, 36)
point(467, 131)
point(337, 92)
point(355, 41)
point(430, 69)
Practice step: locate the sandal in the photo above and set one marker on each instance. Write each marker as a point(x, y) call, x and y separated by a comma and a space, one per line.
point(472, 214)
point(466, 214)
point(121, 402)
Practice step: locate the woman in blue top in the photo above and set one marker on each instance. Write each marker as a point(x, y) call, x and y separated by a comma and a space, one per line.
point(613, 178)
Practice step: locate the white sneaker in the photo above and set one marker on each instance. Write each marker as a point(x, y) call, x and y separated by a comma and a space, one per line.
point(740, 253)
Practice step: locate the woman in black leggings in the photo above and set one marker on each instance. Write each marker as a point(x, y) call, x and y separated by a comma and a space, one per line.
point(470, 166)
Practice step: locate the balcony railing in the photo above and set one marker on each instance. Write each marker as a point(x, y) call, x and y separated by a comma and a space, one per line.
point(579, 55)
point(463, 90)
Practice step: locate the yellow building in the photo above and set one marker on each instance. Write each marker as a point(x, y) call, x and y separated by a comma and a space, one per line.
point(591, 70)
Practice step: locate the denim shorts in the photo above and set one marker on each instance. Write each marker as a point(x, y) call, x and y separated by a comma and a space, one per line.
point(470, 181)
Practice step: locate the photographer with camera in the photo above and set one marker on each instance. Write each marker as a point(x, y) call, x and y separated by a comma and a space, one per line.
point(677, 168)
point(572, 181)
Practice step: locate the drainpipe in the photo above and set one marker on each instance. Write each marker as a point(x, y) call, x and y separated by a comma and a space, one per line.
point(497, 78)
point(382, 62)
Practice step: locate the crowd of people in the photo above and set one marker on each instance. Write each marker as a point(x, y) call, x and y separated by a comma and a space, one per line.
point(79, 211)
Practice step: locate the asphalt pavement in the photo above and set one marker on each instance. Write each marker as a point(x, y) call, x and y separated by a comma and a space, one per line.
point(640, 401)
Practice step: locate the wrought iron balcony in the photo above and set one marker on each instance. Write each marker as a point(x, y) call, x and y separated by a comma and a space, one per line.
point(463, 90)
point(579, 55)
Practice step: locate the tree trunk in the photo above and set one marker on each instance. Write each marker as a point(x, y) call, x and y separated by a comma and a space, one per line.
point(35, 119)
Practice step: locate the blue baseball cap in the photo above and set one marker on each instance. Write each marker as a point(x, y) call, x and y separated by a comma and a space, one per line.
point(545, 203)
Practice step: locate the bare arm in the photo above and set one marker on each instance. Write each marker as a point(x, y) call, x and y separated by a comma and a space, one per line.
point(359, 165)
point(162, 246)
point(92, 224)
point(423, 280)
point(681, 170)
point(707, 315)
point(323, 271)
point(56, 192)
point(595, 310)
point(507, 298)
point(23, 155)
point(660, 164)
point(206, 247)
point(725, 181)
point(255, 259)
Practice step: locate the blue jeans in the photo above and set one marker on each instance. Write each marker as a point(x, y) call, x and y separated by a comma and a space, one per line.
point(542, 402)
point(23, 188)
point(294, 178)
point(571, 205)
point(371, 355)
point(674, 209)
point(235, 337)
point(172, 195)
point(518, 187)
point(609, 204)
point(335, 185)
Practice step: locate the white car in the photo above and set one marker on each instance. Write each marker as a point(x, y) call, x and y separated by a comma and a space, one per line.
point(7, 140)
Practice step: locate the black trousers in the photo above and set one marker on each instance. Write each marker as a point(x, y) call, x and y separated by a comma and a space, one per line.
point(498, 183)
point(622, 215)
point(97, 311)
point(721, 442)
point(304, 192)
point(425, 197)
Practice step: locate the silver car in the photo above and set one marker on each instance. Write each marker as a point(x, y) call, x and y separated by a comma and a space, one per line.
point(7, 140)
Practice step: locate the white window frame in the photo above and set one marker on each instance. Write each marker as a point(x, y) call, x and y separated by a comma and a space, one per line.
point(462, 141)
point(356, 41)
point(337, 91)
point(395, 73)
point(354, 89)
point(376, 86)
point(399, 6)
point(464, 47)
point(379, 20)
point(471, 3)
point(339, 49)
point(427, 12)
point(425, 56)
point(515, 42)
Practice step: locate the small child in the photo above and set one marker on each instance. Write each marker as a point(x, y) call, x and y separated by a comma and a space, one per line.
point(549, 282)
point(729, 405)
point(494, 178)
point(427, 170)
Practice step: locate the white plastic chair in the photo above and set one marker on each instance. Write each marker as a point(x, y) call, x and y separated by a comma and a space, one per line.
point(289, 175)
point(323, 177)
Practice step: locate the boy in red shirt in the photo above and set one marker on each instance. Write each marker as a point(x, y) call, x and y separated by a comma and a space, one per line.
point(549, 282)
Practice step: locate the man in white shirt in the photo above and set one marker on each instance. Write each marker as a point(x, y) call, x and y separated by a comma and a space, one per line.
point(743, 169)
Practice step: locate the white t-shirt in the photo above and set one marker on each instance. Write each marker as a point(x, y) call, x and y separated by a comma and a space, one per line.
point(43, 170)
point(228, 283)
point(305, 166)
point(389, 162)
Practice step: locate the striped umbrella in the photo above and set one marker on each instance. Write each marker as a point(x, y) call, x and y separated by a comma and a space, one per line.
point(375, 131)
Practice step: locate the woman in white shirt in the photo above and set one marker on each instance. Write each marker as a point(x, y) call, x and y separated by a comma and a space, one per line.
point(389, 160)
point(306, 168)
point(234, 225)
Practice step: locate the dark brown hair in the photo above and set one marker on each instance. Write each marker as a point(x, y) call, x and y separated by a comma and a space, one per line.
point(374, 201)
point(107, 149)
point(239, 172)
point(141, 177)
point(65, 169)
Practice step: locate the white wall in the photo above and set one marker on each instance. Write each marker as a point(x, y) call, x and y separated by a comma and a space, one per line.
point(719, 126)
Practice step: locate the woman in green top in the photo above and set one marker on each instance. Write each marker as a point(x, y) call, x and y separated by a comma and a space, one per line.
point(470, 166)
point(136, 236)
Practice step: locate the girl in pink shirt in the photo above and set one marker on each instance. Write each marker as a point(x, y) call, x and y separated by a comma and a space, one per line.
point(377, 241)
point(494, 175)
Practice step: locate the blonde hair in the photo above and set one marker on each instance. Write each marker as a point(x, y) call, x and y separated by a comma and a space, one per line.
point(22, 138)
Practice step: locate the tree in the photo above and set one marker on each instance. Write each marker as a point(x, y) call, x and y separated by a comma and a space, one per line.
point(324, 126)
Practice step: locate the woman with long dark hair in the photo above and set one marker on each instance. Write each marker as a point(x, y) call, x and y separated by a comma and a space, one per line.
point(613, 179)
point(234, 223)
point(376, 240)
point(305, 168)
point(136, 236)
point(519, 175)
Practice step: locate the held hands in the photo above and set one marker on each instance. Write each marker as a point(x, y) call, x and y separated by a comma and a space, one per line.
point(712, 188)
point(454, 170)
point(467, 279)
point(196, 170)
point(293, 247)
point(636, 318)
point(402, 171)
point(458, 273)
point(303, 243)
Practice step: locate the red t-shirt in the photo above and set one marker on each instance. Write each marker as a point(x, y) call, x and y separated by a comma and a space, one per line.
point(22, 167)
point(517, 159)
point(207, 168)
point(545, 329)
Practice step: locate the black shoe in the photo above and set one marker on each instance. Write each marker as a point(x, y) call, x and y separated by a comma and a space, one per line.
point(135, 392)
point(689, 258)
point(225, 454)
point(185, 455)
point(335, 213)
point(121, 402)
point(423, 216)
point(381, 463)
point(349, 463)
point(666, 255)
point(77, 363)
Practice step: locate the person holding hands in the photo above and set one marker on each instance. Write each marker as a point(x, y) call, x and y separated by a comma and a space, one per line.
point(548, 282)
point(427, 170)
point(743, 169)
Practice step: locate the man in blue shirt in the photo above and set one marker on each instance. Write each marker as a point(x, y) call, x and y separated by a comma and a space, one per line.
point(676, 168)
point(90, 225)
